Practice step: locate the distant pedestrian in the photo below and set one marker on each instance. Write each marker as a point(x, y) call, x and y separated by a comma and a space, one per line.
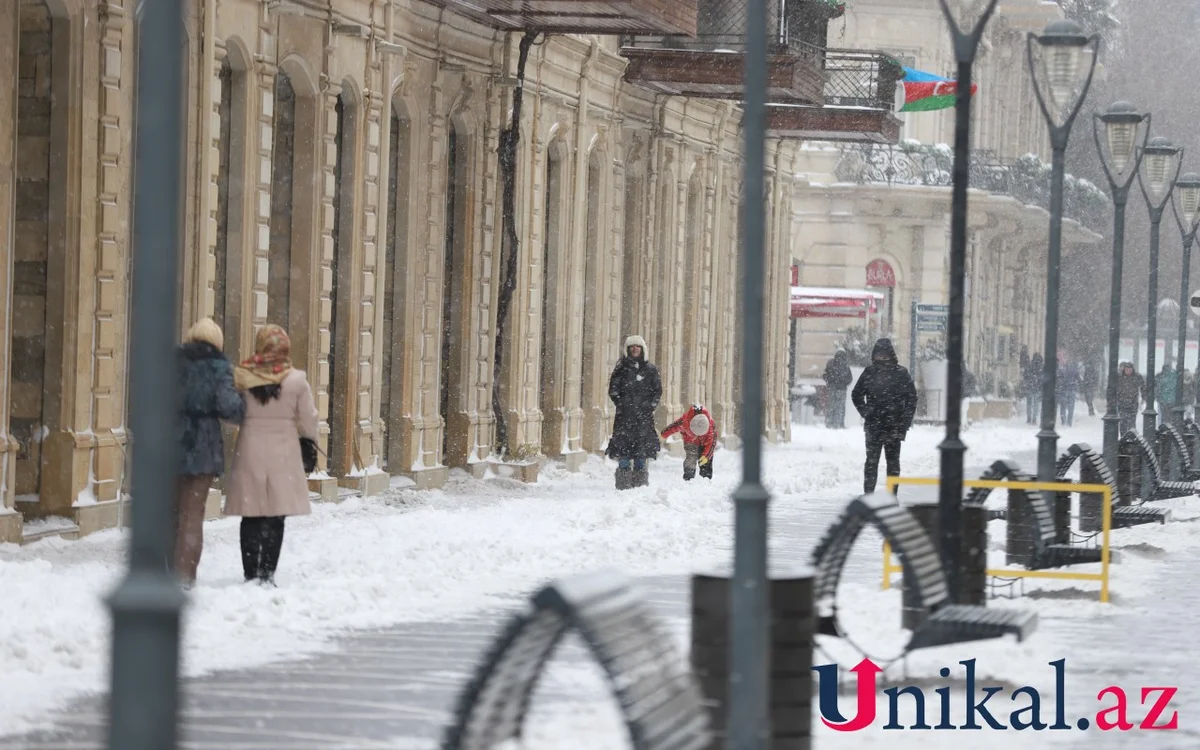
point(206, 396)
point(837, 379)
point(1130, 388)
point(699, 433)
point(1066, 392)
point(1031, 384)
point(635, 389)
point(268, 482)
point(886, 397)
point(1089, 384)
point(1164, 392)
point(1189, 394)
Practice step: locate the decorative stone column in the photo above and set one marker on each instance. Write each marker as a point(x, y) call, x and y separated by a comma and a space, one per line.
point(84, 463)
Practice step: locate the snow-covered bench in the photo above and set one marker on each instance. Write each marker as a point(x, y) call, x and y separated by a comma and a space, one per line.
point(941, 622)
point(1142, 455)
point(1038, 530)
point(655, 691)
point(1093, 469)
point(1171, 442)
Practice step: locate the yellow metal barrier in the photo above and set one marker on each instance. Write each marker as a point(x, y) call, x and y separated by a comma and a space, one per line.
point(890, 567)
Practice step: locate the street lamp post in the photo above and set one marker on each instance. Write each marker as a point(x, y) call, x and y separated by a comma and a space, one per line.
point(146, 606)
point(748, 715)
point(1062, 43)
point(950, 495)
point(1187, 214)
point(1157, 181)
point(1121, 121)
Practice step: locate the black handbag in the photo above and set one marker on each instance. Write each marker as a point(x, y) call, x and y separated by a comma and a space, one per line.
point(308, 454)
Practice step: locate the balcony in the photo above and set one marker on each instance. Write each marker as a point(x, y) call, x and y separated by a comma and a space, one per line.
point(581, 16)
point(859, 98)
point(1026, 179)
point(711, 63)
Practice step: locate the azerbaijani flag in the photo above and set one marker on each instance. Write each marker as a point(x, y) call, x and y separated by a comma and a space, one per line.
point(925, 92)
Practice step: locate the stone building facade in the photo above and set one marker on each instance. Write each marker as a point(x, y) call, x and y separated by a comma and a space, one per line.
point(890, 204)
point(342, 180)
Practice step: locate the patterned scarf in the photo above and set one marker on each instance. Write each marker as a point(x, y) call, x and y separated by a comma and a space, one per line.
point(271, 362)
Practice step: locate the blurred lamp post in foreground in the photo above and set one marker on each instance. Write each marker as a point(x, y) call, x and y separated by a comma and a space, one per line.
point(747, 721)
point(1062, 46)
point(1187, 213)
point(967, 22)
point(1121, 164)
point(146, 606)
point(1160, 169)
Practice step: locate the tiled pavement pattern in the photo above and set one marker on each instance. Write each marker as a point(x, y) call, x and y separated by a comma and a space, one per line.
point(395, 688)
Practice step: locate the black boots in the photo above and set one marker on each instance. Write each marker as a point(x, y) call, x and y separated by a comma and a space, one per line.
point(624, 478)
point(627, 479)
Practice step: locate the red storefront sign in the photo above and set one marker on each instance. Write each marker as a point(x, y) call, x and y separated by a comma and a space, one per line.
point(880, 274)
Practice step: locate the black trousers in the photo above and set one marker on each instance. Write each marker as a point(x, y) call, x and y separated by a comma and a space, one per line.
point(890, 449)
point(262, 541)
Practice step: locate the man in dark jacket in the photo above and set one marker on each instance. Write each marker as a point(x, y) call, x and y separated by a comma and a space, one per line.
point(206, 396)
point(837, 379)
point(886, 397)
point(1130, 386)
point(635, 388)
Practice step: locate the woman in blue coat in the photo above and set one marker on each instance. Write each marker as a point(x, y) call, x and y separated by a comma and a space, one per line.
point(206, 396)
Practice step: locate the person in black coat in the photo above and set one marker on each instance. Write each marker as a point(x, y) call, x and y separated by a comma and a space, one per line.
point(837, 379)
point(635, 388)
point(206, 396)
point(886, 397)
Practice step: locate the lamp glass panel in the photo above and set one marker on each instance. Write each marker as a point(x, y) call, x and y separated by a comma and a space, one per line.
point(1189, 198)
point(1121, 136)
point(1062, 71)
point(1157, 166)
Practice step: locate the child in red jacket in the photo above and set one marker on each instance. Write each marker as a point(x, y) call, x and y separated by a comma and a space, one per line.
point(699, 440)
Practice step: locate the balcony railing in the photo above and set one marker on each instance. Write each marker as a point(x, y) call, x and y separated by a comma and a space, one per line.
point(860, 78)
point(710, 63)
point(1026, 179)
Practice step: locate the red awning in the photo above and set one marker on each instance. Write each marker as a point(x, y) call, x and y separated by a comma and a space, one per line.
point(818, 302)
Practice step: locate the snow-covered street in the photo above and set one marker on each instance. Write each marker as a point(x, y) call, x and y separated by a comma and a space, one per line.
point(440, 556)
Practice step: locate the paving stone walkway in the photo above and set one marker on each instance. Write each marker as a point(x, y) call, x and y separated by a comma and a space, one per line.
point(395, 688)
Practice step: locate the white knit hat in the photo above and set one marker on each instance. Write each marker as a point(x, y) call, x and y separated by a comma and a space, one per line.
point(636, 340)
point(699, 425)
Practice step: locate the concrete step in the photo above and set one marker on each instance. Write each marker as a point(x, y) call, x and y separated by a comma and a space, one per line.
point(37, 529)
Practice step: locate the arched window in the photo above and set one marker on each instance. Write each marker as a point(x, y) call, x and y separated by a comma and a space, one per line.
point(631, 272)
point(341, 403)
point(553, 233)
point(392, 407)
point(692, 267)
point(39, 241)
point(279, 286)
point(454, 274)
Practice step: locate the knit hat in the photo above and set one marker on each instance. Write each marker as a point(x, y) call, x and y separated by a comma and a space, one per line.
point(699, 425)
point(207, 331)
point(636, 340)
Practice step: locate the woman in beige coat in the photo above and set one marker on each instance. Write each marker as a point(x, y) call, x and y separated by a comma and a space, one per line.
point(267, 482)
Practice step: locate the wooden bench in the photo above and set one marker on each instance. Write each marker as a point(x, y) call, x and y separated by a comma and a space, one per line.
point(654, 688)
point(942, 622)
